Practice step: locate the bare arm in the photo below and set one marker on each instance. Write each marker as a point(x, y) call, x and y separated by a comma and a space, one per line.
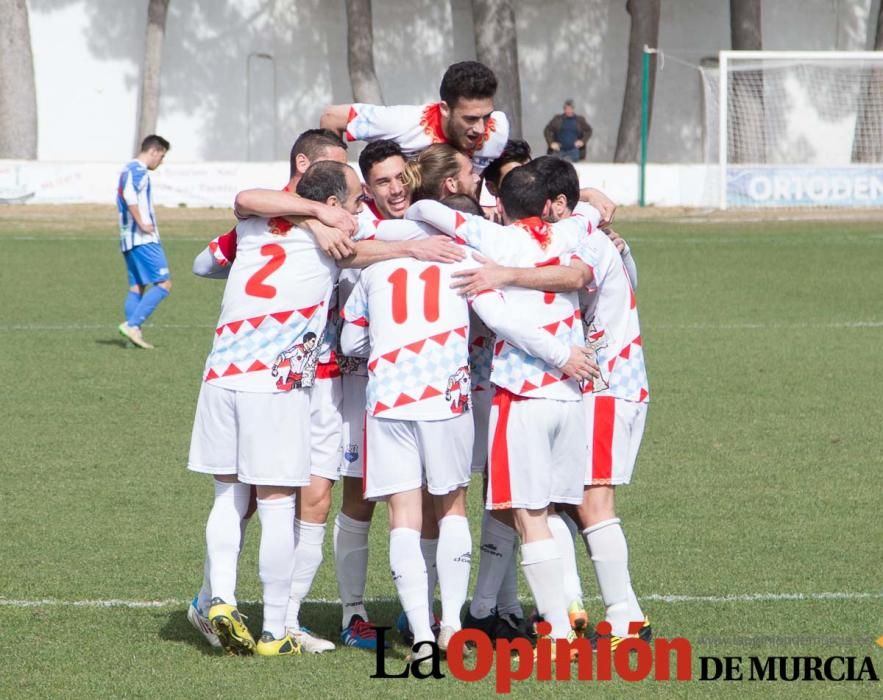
point(601, 202)
point(551, 278)
point(432, 249)
point(335, 117)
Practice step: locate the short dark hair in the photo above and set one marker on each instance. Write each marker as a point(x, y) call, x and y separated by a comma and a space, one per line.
point(154, 141)
point(324, 179)
point(515, 151)
point(308, 336)
point(558, 176)
point(377, 152)
point(464, 203)
point(522, 193)
point(469, 80)
point(312, 143)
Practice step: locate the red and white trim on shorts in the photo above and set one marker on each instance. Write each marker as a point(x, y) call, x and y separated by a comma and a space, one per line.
point(602, 440)
point(498, 459)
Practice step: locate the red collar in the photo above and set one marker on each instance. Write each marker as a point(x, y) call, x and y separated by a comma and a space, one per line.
point(538, 229)
point(431, 121)
point(370, 203)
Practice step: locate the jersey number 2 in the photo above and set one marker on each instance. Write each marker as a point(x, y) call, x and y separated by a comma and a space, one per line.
point(256, 286)
point(431, 277)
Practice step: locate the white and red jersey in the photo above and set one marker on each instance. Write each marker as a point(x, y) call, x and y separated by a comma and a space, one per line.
point(610, 317)
point(416, 127)
point(277, 295)
point(417, 328)
point(530, 242)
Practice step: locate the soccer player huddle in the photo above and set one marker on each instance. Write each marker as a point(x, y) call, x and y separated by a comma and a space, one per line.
point(393, 334)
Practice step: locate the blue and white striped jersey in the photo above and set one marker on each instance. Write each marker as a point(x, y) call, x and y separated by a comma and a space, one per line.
point(134, 189)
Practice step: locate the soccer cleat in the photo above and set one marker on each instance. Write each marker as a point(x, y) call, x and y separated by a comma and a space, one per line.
point(133, 335)
point(579, 620)
point(359, 633)
point(201, 624)
point(227, 622)
point(645, 634)
point(268, 645)
point(571, 637)
point(519, 624)
point(494, 626)
point(309, 642)
point(444, 635)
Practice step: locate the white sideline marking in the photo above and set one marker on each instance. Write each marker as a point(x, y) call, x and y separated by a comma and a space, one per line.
point(656, 597)
point(40, 327)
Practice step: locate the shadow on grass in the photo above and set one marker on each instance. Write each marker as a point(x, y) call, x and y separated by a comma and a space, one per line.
point(116, 342)
point(322, 619)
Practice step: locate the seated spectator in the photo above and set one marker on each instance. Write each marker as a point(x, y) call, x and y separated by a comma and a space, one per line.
point(567, 134)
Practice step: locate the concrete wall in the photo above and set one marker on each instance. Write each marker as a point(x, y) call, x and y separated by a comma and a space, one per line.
point(224, 100)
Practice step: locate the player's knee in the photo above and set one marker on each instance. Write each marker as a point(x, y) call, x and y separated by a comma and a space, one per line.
point(165, 284)
point(315, 504)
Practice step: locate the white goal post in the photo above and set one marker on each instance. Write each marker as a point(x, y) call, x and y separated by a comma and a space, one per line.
point(798, 128)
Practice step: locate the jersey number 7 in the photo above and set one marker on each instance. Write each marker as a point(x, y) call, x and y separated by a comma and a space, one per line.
point(431, 277)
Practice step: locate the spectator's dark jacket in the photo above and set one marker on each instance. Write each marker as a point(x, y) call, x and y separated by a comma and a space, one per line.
point(584, 132)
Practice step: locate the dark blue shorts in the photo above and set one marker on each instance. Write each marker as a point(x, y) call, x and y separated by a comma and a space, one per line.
point(147, 264)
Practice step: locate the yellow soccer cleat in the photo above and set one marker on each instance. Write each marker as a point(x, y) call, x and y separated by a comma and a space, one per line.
point(268, 645)
point(228, 623)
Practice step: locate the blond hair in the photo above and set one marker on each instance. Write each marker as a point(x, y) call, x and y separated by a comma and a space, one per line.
point(426, 174)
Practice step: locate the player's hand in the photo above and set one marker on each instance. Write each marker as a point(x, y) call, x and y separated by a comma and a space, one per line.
point(437, 249)
point(148, 228)
point(479, 279)
point(579, 143)
point(580, 365)
point(333, 242)
point(338, 218)
point(615, 238)
point(603, 204)
point(555, 146)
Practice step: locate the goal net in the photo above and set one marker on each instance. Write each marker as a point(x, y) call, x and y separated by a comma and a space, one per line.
point(795, 129)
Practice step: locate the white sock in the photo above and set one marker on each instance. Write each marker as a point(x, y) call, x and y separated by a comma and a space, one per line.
point(429, 550)
point(607, 547)
point(222, 538)
point(507, 598)
point(564, 541)
point(497, 548)
point(453, 559)
point(308, 539)
point(409, 576)
point(276, 560)
point(204, 597)
point(542, 568)
point(351, 565)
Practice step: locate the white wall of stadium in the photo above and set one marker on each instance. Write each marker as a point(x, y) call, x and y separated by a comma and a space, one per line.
point(241, 79)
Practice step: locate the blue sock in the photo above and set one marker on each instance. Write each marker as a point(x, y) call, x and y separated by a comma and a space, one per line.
point(132, 301)
point(148, 305)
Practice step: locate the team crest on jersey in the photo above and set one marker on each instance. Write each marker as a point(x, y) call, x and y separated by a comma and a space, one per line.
point(459, 392)
point(595, 341)
point(298, 363)
point(351, 453)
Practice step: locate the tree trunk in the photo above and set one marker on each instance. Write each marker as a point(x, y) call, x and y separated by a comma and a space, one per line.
point(148, 102)
point(496, 45)
point(644, 32)
point(18, 92)
point(747, 141)
point(867, 144)
point(360, 52)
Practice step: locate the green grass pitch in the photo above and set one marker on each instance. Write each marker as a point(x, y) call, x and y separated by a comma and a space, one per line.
point(760, 471)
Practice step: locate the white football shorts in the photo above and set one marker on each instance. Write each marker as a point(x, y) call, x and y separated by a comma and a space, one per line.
point(263, 438)
point(326, 426)
point(537, 452)
point(404, 455)
point(353, 410)
point(614, 428)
